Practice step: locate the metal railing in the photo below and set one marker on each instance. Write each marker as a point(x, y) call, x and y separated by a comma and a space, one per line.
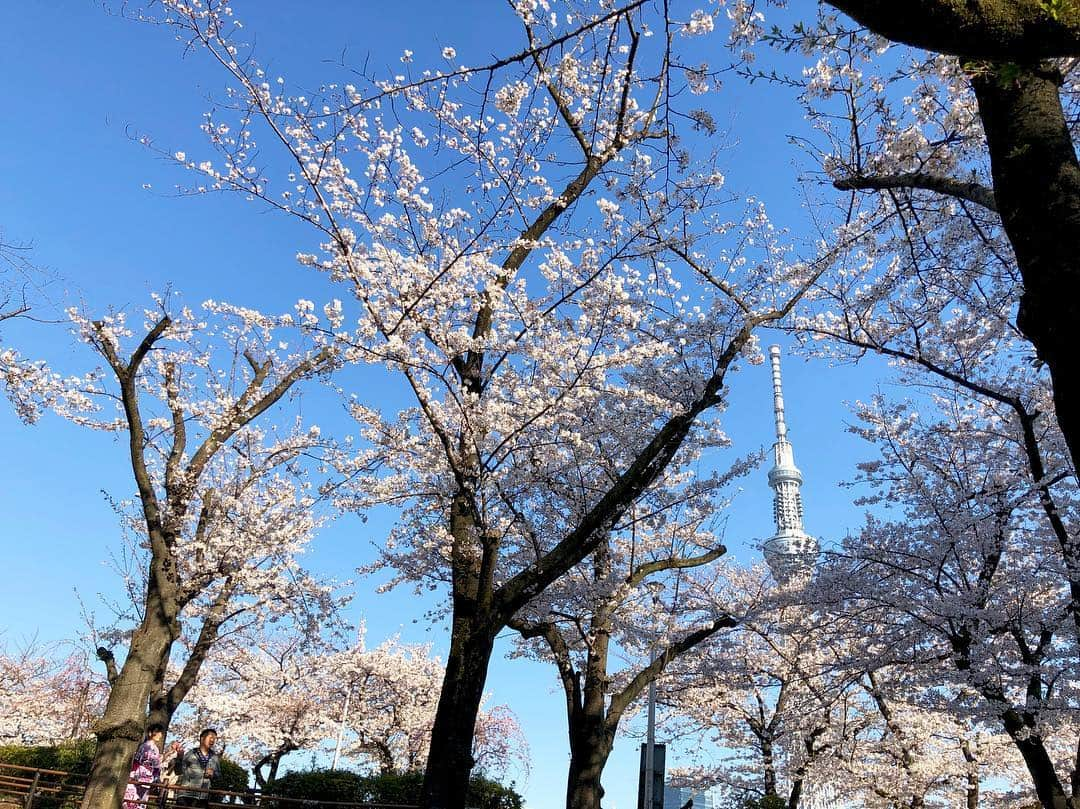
point(36, 788)
point(31, 787)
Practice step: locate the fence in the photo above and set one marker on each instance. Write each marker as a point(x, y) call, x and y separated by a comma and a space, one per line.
point(31, 787)
point(35, 788)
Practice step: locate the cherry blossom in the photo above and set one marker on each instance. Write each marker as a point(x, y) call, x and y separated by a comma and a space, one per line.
point(275, 694)
point(47, 698)
point(540, 335)
point(222, 505)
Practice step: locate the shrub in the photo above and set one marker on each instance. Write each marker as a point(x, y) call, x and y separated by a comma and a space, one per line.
point(320, 785)
point(401, 788)
point(487, 794)
point(393, 788)
point(72, 757)
point(231, 778)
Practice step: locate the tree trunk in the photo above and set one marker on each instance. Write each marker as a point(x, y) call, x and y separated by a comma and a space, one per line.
point(971, 794)
point(768, 766)
point(1039, 764)
point(120, 730)
point(273, 760)
point(972, 789)
point(591, 727)
point(796, 793)
point(1037, 189)
point(160, 711)
point(446, 778)
point(590, 747)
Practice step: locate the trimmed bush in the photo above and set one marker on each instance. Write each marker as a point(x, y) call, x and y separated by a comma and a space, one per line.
point(72, 757)
point(231, 778)
point(487, 794)
point(320, 785)
point(393, 788)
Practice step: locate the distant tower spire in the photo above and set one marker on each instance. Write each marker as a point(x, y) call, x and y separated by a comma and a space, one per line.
point(790, 552)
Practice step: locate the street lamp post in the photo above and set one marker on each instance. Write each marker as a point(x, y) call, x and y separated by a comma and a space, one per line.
point(650, 742)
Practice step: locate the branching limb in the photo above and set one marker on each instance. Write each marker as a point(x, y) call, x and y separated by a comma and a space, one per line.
point(622, 699)
point(674, 563)
point(949, 186)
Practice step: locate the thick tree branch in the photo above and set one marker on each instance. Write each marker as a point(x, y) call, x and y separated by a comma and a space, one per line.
point(249, 407)
point(674, 563)
point(179, 436)
point(208, 635)
point(560, 652)
point(970, 191)
point(126, 375)
point(622, 699)
point(1005, 30)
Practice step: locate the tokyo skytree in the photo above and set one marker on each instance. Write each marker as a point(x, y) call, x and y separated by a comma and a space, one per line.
point(790, 552)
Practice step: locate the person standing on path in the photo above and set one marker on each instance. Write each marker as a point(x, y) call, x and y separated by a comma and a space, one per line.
point(170, 772)
point(145, 768)
point(197, 769)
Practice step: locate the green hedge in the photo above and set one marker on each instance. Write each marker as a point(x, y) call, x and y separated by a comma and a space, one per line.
point(403, 788)
point(487, 794)
point(319, 785)
point(231, 778)
point(73, 757)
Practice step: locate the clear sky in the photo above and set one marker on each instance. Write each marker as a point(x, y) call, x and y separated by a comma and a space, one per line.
point(80, 84)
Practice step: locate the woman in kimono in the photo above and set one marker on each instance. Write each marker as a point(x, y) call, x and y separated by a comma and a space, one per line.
point(145, 769)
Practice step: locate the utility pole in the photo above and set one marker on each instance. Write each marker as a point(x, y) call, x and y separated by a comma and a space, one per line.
point(650, 742)
point(345, 707)
point(341, 729)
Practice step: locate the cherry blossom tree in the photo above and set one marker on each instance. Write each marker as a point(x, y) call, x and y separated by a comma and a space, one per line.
point(933, 284)
point(797, 706)
point(1012, 55)
point(970, 586)
point(768, 706)
point(500, 747)
point(46, 698)
point(266, 699)
point(243, 571)
point(188, 393)
point(615, 601)
point(535, 255)
point(982, 144)
point(901, 753)
point(274, 695)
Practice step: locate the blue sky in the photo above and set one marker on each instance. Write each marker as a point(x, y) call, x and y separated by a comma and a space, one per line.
point(80, 85)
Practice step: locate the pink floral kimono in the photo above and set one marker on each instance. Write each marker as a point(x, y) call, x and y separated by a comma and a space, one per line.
point(146, 769)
